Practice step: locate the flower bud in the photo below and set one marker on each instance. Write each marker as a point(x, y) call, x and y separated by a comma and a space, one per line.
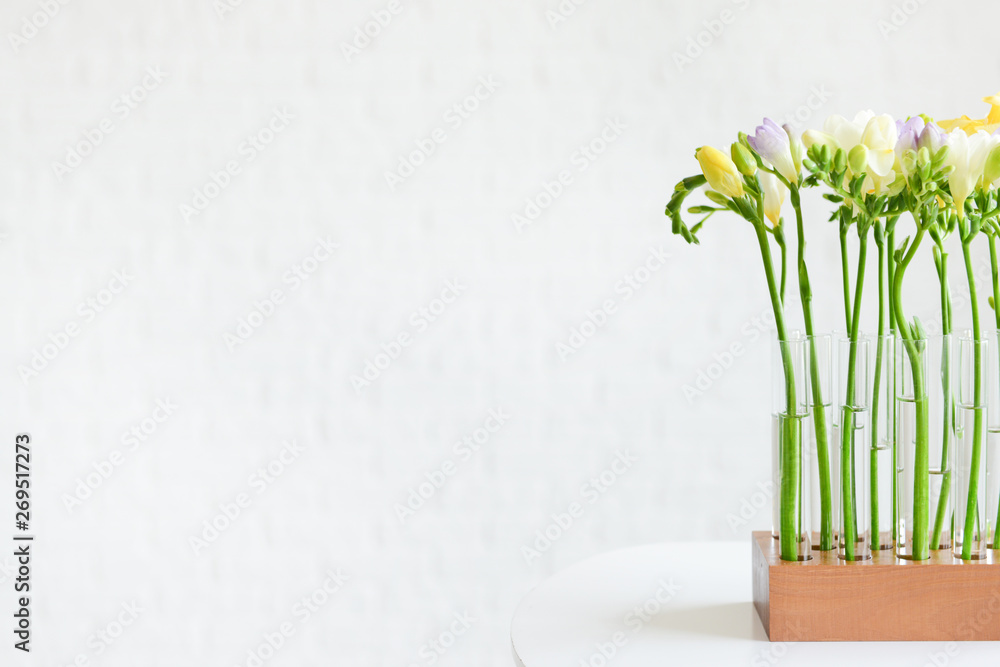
point(795, 146)
point(717, 198)
point(991, 172)
point(812, 137)
point(857, 159)
point(743, 159)
point(720, 171)
point(923, 157)
point(839, 160)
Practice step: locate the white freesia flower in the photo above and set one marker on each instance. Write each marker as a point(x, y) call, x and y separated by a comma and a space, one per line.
point(812, 137)
point(847, 133)
point(774, 196)
point(879, 137)
point(967, 154)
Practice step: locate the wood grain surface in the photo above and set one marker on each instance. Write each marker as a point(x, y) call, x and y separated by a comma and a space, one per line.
point(881, 599)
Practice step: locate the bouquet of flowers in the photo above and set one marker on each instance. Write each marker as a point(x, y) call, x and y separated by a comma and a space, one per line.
point(907, 184)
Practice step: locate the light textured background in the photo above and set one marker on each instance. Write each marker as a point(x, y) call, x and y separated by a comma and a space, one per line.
point(494, 347)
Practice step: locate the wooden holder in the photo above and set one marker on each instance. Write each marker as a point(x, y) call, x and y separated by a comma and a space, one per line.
point(882, 599)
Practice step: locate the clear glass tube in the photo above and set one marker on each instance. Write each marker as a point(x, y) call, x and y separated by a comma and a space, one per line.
point(924, 445)
point(969, 483)
point(883, 438)
point(821, 448)
point(853, 358)
point(790, 412)
point(993, 440)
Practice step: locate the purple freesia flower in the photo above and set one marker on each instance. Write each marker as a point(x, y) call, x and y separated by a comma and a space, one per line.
point(771, 142)
point(909, 134)
point(915, 133)
point(932, 138)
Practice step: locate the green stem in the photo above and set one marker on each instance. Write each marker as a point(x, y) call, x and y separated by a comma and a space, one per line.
point(847, 428)
point(977, 429)
point(921, 464)
point(784, 268)
point(819, 408)
point(790, 444)
point(845, 271)
point(876, 395)
point(947, 421)
point(996, 311)
point(891, 265)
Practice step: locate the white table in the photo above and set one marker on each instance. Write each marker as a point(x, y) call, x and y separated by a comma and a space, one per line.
point(684, 604)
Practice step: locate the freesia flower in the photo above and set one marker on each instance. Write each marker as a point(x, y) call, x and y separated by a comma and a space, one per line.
point(967, 154)
point(916, 133)
point(847, 133)
point(991, 171)
point(909, 134)
point(720, 171)
point(971, 126)
point(932, 138)
point(879, 137)
point(797, 149)
point(773, 144)
point(774, 196)
point(811, 138)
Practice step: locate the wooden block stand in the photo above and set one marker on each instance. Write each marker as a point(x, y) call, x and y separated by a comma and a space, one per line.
point(882, 599)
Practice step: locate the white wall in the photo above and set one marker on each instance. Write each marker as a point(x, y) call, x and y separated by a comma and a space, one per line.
point(493, 348)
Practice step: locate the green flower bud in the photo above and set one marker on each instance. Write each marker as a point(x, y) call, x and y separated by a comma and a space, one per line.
point(744, 159)
point(717, 198)
point(939, 157)
point(857, 159)
point(992, 170)
point(839, 160)
point(909, 161)
point(923, 157)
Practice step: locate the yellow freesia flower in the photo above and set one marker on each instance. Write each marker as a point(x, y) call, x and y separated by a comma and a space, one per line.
point(720, 171)
point(972, 125)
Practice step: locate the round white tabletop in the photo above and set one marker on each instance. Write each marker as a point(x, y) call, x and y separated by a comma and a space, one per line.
point(682, 604)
